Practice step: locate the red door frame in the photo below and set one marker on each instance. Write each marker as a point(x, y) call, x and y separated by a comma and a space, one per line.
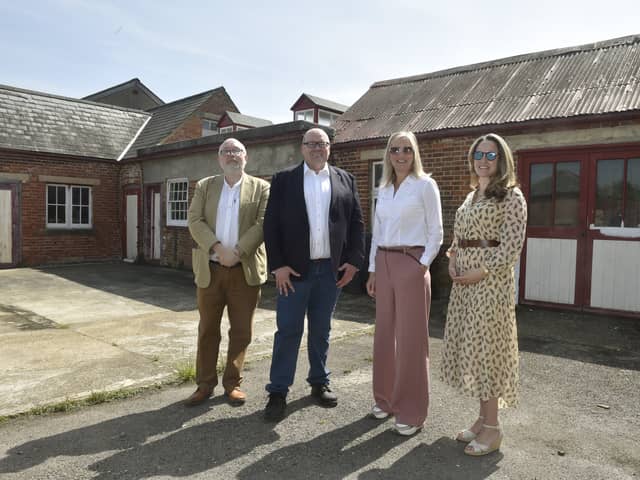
point(130, 190)
point(525, 160)
point(588, 155)
point(16, 251)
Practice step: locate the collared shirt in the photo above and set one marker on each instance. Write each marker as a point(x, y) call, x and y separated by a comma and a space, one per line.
point(317, 196)
point(412, 217)
point(227, 216)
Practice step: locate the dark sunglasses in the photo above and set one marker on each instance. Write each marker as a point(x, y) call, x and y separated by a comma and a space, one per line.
point(491, 156)
point(400, 149)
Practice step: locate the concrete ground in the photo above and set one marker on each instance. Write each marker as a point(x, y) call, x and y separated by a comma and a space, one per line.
point(68, 331)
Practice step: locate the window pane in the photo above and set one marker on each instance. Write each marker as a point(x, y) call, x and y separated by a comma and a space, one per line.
point(567, 194)
point(51, 194)
point(75, 215)
point(324, 118)
point(51, 214)
point(540, 200)
point(75, 195)
point(61, 195)
point(632, 204)
point(61, 216)
point(609, 193)
point(85, 196)
point(84, 215)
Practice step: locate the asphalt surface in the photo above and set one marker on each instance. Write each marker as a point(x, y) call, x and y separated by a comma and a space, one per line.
point(578, 417)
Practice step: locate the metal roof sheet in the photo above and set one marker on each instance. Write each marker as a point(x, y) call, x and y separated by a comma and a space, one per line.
point(589, 79)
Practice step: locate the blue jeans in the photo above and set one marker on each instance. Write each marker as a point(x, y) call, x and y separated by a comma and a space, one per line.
point(316, 296)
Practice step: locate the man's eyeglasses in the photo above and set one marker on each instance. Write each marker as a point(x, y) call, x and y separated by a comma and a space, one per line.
point(491, 156)
point(314, 145)
point(396, 150)
point(236, 152)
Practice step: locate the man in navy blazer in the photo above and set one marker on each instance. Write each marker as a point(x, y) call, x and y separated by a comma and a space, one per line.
point(314, 236)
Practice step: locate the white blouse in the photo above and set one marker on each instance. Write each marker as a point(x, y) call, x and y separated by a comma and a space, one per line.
point(411, 217)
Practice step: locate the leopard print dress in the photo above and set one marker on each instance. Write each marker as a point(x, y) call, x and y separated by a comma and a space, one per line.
point(480, 354)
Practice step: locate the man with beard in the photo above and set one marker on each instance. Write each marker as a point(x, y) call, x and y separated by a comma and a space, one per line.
point(229, 263)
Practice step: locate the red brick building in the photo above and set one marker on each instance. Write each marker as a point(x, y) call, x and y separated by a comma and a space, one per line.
point(572, 118)
point(59, 177)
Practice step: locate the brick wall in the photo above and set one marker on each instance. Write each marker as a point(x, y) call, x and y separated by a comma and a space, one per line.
point(192, 127)
point(42, 245)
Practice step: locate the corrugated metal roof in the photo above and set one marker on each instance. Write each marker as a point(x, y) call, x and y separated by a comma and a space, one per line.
point(166, 118)
point(589, 79)
point(40, 122)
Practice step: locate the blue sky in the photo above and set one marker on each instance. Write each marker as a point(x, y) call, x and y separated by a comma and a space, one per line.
point(266, 53)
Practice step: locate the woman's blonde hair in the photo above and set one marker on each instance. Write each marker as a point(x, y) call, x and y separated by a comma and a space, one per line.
point(388, 174)
point(505, 177)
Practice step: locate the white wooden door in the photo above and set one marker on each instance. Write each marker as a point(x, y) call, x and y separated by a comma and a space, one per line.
point(6, 227)
point(155, 219)
point(132, 227)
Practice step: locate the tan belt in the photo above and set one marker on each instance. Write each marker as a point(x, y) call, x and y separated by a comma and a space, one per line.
point(462, 243)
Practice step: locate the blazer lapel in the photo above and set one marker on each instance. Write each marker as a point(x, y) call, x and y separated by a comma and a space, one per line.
point(213, 196)
point(246, 189)
point(335, 186)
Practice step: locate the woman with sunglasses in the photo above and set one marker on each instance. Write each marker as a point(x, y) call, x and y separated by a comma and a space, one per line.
point(407, 234)
point(480, 354)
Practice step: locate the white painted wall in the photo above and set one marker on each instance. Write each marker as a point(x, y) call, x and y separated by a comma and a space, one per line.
point(132, 227)
point(6, 229)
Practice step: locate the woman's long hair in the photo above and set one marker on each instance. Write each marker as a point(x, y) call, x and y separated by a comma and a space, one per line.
point(505, 177)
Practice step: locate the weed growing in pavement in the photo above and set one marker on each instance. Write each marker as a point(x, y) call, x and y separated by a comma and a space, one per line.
point(185, 371)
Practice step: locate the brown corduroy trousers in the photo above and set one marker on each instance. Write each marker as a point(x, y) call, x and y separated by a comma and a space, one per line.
point(228, 288)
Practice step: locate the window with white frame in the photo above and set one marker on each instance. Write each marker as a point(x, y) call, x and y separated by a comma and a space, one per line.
point(228, 129)
point(327, 118)
point(69, 206)
point(209, 127)
point(177, 202)
point(376, 176)
point(306, 115)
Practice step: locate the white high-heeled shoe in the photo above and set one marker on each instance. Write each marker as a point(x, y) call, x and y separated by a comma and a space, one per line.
point(465, 436)
point(476, 449)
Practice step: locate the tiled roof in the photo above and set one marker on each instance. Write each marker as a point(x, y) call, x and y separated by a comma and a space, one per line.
point(246, 120)
point(133, 83)
point(40, 122)
point(589, 79)
point(166, 118)
point(324, 103)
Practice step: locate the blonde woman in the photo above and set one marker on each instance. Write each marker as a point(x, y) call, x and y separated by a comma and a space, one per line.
point(480, 354)
point(407, 234)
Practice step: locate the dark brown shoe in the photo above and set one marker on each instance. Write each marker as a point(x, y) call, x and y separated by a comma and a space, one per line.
point(198, 397)
point(236, 396)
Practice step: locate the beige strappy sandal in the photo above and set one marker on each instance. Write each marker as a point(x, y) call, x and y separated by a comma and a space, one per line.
point(465, 436)
point(476, 449)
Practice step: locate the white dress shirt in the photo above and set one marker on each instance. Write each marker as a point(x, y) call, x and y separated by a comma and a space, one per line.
point(317, 196)
point(227, 216)
point(412, 217)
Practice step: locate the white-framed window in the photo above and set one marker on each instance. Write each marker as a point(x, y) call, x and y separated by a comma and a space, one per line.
point(306, 115)
point(177, 202)
point(239, 127)
point(69, 206)
point(376, 175)
point(327, 118)
point(228, 129)
point(209, 127)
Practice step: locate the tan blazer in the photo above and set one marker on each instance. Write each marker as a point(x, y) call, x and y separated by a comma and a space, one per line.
point(201, 219)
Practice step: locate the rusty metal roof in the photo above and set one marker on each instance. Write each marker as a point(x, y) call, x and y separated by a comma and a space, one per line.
point(598, 78)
